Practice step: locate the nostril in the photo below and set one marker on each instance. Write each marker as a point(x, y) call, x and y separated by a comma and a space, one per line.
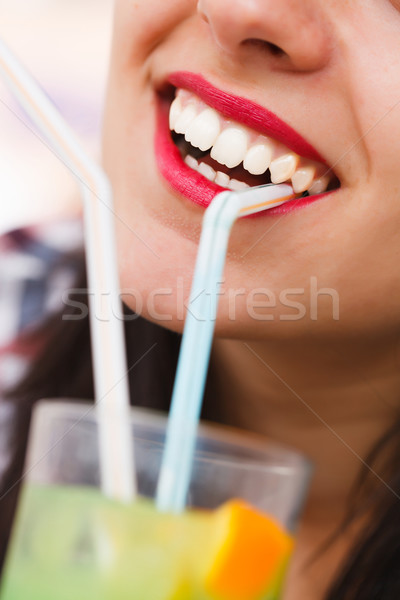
point(275, 50)
point(264, 45)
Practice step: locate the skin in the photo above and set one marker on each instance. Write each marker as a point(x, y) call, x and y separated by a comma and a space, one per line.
point(327, 386)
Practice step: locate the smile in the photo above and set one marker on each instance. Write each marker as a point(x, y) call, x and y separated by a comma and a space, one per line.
point(207, 141)
point(202, 149)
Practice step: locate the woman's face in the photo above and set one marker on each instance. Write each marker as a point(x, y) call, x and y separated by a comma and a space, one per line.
point(315, 82)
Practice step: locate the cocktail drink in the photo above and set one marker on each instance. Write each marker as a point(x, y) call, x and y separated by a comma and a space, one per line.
point(232, 543)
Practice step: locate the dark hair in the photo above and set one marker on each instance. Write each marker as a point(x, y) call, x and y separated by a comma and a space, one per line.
point(63, 369)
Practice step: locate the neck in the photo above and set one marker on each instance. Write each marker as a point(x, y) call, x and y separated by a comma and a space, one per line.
point(330, 403)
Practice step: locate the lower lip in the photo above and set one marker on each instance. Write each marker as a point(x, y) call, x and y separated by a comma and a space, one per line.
point(192, 185)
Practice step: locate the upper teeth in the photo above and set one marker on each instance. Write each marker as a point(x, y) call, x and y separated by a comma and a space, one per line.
point(204, 129)
point(232, 144)
point(258, 158)
point(230, 147)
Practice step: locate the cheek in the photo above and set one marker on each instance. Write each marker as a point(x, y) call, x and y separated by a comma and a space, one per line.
point(140, 25)
point(367, 271)
point(374, 90)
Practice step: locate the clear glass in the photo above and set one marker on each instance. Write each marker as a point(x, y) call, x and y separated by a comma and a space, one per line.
point(70, 542)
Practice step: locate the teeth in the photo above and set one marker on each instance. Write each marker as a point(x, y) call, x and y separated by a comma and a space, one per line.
point(207, 171)
point(218, 177)
point(235, 185)
point(258, 158)
point(302, 179)
point(284, 167)
point(319, 185)
point(204, 129)
point(231, 144)
point(184, 119)
point(192, 162)
point(230, 147)
point(175, 111)
point(222, 179)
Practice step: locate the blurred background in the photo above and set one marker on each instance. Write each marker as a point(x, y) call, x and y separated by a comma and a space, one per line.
point(65, 44)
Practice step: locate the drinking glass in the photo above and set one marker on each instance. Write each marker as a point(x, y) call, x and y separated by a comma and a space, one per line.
point(232, 542)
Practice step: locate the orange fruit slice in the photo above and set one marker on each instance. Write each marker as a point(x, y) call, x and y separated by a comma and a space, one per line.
point(250, 552)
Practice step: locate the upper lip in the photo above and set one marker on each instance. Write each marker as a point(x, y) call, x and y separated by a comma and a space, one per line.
point(247, 112)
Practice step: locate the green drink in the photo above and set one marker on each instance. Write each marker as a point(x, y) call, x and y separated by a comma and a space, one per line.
point(70, 542)
point(73, 543)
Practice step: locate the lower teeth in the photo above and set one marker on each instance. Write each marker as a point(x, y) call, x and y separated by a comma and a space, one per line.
point(219, 177)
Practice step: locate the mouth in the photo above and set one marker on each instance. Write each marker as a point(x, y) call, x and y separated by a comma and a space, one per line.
point(208, 141)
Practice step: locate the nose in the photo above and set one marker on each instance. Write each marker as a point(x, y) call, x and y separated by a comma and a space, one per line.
point(294, 31)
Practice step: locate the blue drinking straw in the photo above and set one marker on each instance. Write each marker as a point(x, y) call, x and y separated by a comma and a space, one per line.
point(175, 474)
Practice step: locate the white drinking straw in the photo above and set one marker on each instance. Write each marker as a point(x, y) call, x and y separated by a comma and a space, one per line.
point(107, 335)
point(176, 467)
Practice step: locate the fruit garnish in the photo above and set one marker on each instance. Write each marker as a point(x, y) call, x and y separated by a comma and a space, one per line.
point(249, 552)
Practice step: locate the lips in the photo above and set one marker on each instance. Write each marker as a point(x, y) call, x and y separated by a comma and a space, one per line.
point(194, 183)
